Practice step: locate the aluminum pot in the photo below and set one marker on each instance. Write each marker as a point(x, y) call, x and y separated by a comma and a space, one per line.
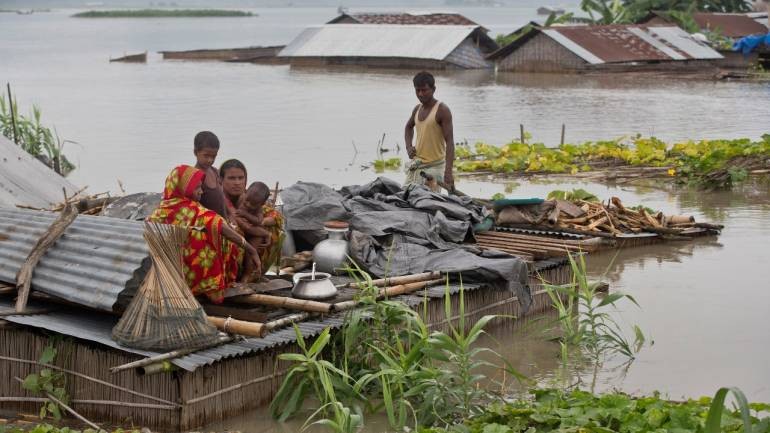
point(331, 254)
point(305, 287)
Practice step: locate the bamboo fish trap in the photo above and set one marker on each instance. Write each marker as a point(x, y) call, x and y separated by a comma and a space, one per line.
point(164, 314)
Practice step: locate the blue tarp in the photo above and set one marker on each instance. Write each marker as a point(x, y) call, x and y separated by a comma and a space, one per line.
point(748, 44)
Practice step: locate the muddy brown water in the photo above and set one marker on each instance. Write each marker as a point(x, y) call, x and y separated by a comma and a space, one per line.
point(704, 303)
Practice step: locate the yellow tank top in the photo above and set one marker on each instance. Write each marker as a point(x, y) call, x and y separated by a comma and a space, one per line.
point(430, 146)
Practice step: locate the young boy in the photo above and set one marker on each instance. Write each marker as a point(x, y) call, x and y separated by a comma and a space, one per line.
point(251, 221)
point(205, 148)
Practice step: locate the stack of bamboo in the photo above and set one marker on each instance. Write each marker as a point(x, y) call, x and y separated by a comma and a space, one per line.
point(530, 248)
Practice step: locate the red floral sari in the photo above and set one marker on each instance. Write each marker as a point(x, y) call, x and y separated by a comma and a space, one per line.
point(210, 261)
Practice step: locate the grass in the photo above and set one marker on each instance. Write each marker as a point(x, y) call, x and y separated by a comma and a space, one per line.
point(385, 360)
point(163, 13)
point(35, 138)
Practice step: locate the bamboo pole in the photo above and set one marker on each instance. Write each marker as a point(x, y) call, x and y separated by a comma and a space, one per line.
point(575, 242)
point(284, 302)
point(287, 320)
point(401, 289)
point(404, 279)
point(165, 356)
point(240, 327)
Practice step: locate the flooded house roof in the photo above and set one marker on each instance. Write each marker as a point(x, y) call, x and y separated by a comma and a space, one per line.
point(434, 42)
point(26, 181)
point(96, 262)
point(730, 25)
point(727, 24)
point(405, 18)
point(620, 43)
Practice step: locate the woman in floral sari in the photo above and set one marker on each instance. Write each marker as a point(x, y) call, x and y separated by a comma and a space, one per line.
point(212, 256)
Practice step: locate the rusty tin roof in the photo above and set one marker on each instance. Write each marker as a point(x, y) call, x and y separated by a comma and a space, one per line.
point(408, 18)
point(730, 25)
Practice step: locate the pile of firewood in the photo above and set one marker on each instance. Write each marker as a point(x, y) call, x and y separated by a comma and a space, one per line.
point(612, 218)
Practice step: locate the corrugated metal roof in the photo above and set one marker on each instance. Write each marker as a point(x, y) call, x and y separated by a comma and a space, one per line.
point(98, 328)
point(682, 41)
point(92, 264)
point(434, 42)
point(408, 18)
point(630, 43)
point(26, 181)
point(730, 25)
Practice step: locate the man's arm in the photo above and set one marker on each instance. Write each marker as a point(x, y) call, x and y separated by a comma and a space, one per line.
point(444, 118)
point(409, 135)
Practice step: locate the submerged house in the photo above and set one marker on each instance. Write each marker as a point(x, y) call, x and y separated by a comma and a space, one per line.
point(404, 18)
point(730, 25)
point(431, 46)
point(604, 48)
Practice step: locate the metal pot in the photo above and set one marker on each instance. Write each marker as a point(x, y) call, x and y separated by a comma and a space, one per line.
point(331, 254)
point(305, 287)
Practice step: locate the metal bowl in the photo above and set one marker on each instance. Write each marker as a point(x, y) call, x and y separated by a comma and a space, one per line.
point(305, 287)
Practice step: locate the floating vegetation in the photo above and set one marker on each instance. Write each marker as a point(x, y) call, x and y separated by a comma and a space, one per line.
point(163, 13)
point(29, 133)
point(710, 163)
point(558, 411)
point(380, 165)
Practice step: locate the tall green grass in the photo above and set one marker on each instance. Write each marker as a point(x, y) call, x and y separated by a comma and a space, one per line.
point(36, 139)
point(390, 362)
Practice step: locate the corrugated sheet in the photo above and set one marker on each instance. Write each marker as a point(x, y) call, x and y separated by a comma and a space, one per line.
point(630, 43)
point(26, 181)
point(433, 42)
point(682, 41)
point(409, 18)
point(730, 25)
point(98, 328)
point(92, 264)
point(573, 46)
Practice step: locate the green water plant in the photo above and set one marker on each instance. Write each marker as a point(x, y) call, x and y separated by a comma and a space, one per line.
point(390, 363)
point(555, 410)
point(31, 135)
point(712, 163)
point(48, 382)
point(583, 317)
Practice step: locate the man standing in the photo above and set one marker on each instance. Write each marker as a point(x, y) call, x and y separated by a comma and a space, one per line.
point(434, 151)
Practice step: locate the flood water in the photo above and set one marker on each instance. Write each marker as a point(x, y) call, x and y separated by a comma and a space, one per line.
point(704, 303)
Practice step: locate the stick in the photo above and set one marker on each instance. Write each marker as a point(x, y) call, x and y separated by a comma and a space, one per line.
point(521, 130)
point(562, 133)
point(275, 195)
point(68, 409)
point(13, 115)
point(164, 356)
point(54, 232)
